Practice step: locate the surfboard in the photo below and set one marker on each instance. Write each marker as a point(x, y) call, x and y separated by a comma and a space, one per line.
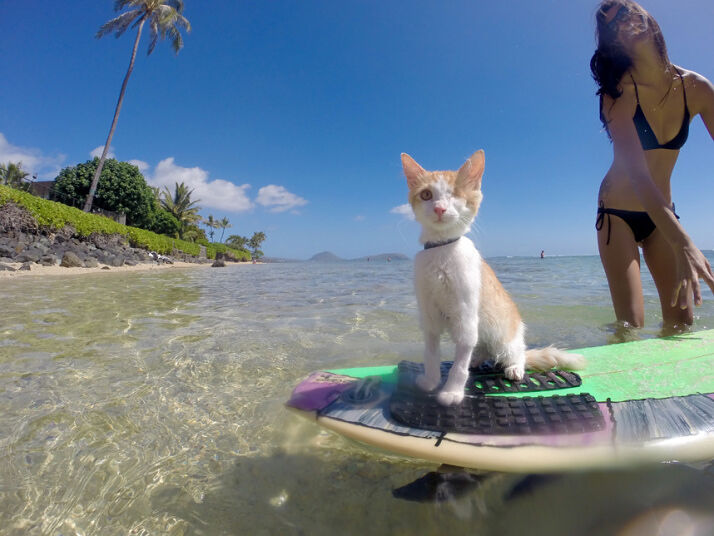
point(639, 402)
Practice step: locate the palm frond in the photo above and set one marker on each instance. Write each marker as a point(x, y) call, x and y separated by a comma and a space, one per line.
point(119, 24)
point(121, 4)
point(176, 39)
point(154, 26)
point(176, 4)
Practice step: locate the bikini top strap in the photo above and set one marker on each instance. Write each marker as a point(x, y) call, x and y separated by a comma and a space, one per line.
point(637, 94)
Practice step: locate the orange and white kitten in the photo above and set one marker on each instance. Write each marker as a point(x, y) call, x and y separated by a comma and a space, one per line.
point(458, 292)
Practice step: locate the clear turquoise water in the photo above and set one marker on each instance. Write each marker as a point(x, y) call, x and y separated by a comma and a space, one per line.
point(152, 403)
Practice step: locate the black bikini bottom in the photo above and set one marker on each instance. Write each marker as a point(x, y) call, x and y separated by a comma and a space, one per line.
point(640, 222)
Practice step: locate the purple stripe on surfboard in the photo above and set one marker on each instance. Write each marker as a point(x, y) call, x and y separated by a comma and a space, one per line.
point(319, 390)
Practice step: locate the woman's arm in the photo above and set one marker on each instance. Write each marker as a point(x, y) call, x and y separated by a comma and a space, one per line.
point(629, 158)
point(701, 92)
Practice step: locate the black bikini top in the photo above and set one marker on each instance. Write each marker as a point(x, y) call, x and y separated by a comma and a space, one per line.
point(647, 136)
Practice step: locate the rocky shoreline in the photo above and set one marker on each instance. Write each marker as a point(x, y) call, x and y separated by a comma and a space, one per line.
point(25, 243)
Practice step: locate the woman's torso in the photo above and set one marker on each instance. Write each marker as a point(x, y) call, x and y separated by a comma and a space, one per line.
point(666, 110)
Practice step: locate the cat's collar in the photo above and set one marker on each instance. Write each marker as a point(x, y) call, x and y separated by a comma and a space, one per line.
point(430, 245)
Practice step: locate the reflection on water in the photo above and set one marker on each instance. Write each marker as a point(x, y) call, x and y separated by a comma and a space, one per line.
point(153, 403)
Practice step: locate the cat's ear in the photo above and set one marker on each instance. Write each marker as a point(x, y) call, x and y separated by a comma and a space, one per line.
point(412, 170)
point(469, 175)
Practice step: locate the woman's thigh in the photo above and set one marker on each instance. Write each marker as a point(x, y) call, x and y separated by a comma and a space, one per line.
point(621, 261)
point(660, 261)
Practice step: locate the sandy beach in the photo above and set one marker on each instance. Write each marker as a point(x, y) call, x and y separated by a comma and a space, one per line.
point(56, 270)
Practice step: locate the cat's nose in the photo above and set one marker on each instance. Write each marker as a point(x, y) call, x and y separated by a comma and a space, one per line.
point(439, 211)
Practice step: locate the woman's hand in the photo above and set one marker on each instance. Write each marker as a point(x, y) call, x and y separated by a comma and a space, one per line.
point(691, 264)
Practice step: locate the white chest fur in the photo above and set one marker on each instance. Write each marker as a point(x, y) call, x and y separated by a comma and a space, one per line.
point(448, 284)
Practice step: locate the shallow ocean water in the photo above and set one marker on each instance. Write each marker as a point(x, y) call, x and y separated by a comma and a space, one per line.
point(152, 403)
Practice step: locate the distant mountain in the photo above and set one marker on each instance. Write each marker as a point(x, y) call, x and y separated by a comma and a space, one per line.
point(328, 256)
point(325, 256)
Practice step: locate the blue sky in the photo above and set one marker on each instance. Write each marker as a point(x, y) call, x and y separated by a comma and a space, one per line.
point(288, 117)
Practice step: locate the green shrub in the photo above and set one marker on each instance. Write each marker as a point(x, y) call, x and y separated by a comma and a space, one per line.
point(56, 216)
point(163, 222)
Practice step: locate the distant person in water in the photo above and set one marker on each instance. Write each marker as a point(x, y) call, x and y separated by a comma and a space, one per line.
point(646, 104)
point(542, 254)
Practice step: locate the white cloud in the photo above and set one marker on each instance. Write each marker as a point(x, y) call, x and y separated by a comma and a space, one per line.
point(219, 194)
point(359, 217)
point(33, 161)
point(143, 166)
point(278, 199)
point(403, 210)
point(97, 152)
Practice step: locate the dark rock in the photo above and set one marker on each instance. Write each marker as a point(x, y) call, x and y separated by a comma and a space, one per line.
point(30, 255)
point(6, 268)
point(16, 218)
point(117, 260)
point(7, 251)
point(103, 257)
point(26, 266)
point(48, 260)
point(106, 268)
point(130, 262)
point(219, 263)
point(91, 262)
point(70, 260)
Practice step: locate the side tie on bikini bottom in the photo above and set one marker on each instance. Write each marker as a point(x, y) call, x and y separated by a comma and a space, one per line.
point(639, 222)
point(601, 220)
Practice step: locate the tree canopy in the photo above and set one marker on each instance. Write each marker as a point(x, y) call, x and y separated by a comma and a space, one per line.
point(121, 188)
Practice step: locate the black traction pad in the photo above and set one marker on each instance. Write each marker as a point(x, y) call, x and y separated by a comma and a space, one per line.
point(487, 378)
point(499, 415)
point(495, 415)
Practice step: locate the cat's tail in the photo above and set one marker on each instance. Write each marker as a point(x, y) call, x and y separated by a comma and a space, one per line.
point(550, 357)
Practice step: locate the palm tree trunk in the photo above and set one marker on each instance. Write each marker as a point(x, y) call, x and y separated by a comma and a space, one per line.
point(95, 179)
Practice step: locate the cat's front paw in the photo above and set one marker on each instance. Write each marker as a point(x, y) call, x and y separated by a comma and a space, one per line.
point(514, 372)
point(427, 384)
point(450, 398)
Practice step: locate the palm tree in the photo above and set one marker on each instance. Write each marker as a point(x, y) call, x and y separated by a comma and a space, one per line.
point(180, 205)
point(237, 241)
point(223, 224)
point(157, 193)
point(212, 224)
point(254, 243)
point(12, 174)
point(165, 19)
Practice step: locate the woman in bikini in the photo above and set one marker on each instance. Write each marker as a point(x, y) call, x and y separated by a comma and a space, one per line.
point(646, 104)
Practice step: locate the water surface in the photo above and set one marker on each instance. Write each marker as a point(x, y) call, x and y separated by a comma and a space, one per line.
point(152, 403)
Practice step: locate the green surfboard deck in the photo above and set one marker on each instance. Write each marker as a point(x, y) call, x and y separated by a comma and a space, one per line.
point(654, 368)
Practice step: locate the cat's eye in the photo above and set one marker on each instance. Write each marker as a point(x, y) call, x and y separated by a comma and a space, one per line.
point(425, 195)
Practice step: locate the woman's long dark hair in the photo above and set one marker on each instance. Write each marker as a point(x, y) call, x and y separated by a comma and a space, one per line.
point(610, 60)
